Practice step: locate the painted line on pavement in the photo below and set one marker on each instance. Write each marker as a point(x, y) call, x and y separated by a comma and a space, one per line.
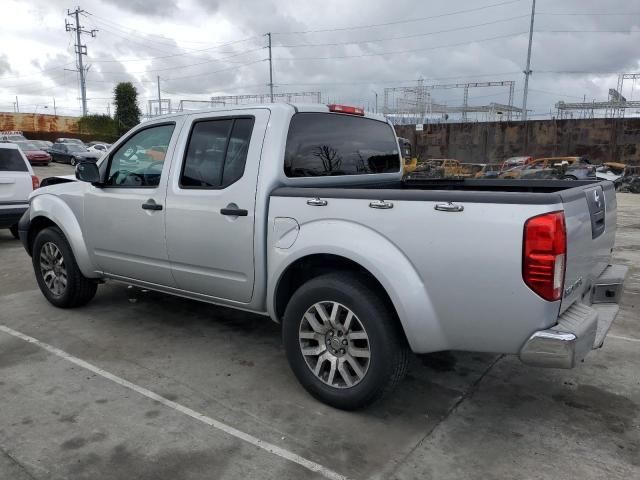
point(620, 337)
point(269, 447)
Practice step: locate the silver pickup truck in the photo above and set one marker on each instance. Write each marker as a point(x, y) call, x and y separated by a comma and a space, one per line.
point(300, 213)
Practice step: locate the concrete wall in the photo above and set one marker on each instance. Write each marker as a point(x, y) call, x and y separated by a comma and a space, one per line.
point(29, 122)
point(602, 140)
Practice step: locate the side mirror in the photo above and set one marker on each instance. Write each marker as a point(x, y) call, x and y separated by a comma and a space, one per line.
point(88, 172)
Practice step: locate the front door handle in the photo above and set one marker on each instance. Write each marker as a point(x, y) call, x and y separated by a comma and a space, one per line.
point(234, 212)
point(449, 207)
point(151, 205)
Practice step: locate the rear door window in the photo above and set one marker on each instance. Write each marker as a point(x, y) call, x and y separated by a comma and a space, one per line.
point(12, 161)
point(217, 153)
point(324, 144)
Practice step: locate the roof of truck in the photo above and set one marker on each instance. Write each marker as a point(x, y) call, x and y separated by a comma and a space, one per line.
point(299, 107)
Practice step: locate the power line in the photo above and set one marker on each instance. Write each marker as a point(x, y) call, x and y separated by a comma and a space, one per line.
point(126, 29)
point(398, 52)
point(359, 42)
point(399, 22)
point(174, 67)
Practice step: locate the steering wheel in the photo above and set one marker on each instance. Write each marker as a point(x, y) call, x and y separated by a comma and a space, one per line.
point(148, 168)
point(126, 177)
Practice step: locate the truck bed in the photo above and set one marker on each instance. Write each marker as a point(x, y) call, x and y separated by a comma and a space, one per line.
point(534, 192)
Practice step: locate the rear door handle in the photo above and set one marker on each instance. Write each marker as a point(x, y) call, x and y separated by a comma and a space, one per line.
point(234, 212)
point(448, 207)
point(151, 205)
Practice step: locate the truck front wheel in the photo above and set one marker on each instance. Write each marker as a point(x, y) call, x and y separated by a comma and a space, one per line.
point(343, 342)
point(57, 272)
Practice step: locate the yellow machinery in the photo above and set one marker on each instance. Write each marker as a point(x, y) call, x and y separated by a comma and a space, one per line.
point(410, 161)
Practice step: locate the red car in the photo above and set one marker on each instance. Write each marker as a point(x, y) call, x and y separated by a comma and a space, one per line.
point(34, 153)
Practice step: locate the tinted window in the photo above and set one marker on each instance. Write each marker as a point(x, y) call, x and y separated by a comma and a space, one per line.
point(217, 153)
point(11, 161)
point(328, 144)
point(139, 161)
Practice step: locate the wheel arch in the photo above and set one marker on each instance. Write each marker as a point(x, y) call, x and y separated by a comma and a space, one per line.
point(358, 249)
point(51, 211)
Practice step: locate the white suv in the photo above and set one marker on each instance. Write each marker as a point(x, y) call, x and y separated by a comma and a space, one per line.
point(17, 181)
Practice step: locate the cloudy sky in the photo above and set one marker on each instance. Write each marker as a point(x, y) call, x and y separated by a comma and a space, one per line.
point(345, 49)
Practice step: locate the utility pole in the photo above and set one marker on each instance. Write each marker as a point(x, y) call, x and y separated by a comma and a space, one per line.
point(80, 51)
point(376, 94)
point(55, 112)
point(527, 71)
point(17, 105)
point(159, 99)
point(270, 69)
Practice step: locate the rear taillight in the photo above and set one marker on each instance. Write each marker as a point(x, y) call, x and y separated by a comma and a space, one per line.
point(35, 183)
point(544, 255)
point(346, 109)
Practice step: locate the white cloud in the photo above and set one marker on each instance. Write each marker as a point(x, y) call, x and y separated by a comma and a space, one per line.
point(178, 39)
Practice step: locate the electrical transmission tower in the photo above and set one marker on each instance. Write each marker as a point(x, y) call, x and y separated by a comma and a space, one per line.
point(80, 51)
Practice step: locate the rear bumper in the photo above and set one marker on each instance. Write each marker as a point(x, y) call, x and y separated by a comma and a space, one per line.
point(23, 229)
point(11, 216)
point(581, 328)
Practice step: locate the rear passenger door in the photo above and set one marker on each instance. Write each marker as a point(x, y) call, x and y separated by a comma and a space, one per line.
point(211, 203)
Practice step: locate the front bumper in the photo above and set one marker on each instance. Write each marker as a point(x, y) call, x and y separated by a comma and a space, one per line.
point(581, 328)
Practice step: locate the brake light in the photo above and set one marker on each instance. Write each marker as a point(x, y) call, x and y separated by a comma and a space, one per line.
point(346, 109)
point(544, 255)
point(35, 183)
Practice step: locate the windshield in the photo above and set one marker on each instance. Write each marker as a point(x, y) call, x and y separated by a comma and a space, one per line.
point(27, 146)
point(75, 148)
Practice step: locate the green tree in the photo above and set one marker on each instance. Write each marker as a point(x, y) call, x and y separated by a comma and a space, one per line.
point(102, 126)
point(127, 111)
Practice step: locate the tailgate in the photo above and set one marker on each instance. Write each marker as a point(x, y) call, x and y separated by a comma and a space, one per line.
point(15, 187)
point(590, 215)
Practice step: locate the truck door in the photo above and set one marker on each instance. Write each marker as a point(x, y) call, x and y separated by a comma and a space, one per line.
point(211, 204)
point(125, 218)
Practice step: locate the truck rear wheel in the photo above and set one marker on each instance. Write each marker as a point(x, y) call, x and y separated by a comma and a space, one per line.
point(57, 272)
point(342, 341)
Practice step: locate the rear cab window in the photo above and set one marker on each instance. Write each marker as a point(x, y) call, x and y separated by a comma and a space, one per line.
point(11, 161)
point(329, 144)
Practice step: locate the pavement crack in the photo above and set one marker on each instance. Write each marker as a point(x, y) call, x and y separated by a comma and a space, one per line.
point(18, 463)
point(465, 395)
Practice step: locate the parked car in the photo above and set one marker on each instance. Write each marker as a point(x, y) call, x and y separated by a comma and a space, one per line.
point(43, 144)
point(34, 153)
point(512, 162)
point(72, 153)
point(98, 147)
point(77, 141)
point(11, 136)
point(17, 181)
point(489, 170)
point(569, 168)
point(304, 217)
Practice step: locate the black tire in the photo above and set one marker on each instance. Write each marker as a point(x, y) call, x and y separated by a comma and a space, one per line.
point(569, 177)
point(79, 289)
point(72, 162)
point(389, 353)
point(14, 231)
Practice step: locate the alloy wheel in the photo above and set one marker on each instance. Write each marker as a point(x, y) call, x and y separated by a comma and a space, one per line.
point(53, 268)
point(334, 344)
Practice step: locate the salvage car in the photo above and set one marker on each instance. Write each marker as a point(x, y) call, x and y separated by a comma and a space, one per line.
point(300, 213)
